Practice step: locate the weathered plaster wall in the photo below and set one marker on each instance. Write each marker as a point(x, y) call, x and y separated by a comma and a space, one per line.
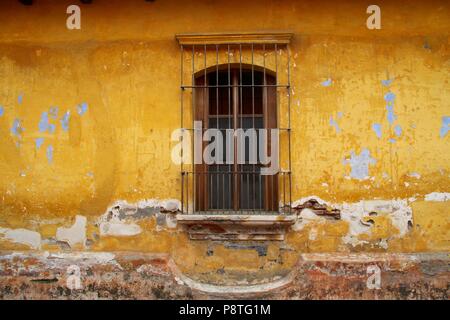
point(86, 117)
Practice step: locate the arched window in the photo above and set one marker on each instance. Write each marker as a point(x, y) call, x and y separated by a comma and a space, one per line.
point(238, 83)
point(236, 97)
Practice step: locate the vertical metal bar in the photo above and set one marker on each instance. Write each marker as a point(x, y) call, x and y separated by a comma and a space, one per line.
point(276, 192)
point(217, 121)
point(241, 116)
point(187, 193)
point(182, 192)
point(266, 123)
point(236, 193)
point(261, 202)
point(193, 126)
point(253, 126)
point(248, 190)
point(289, 126)
point(229, 119)
point(205, 122)
point(181, 125)
point(284, 189)
point(210, 188)
point(223, 192)
point(277, 111)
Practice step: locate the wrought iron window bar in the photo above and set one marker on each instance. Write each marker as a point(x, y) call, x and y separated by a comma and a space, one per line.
point(217, 199)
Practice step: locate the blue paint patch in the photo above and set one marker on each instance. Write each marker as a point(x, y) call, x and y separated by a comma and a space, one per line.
point(340, 114)
point(2, 111)
point(445, 126)
point(20, 98)
point(377, 128)
point(39, 142)
point(398, 130)
point(16, 128)
point(90, 174)
point(326, 83)
point(50, 153)
point(65, 121)
point(392, 140)
point(334, 124)
point(53, 112)
point(389, 98)
point(43, 123)
point(360, 164)
point(391, 117)
point(82, 108)
point(387, 82)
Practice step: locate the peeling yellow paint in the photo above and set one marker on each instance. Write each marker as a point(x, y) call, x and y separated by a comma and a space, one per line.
point(128, 75)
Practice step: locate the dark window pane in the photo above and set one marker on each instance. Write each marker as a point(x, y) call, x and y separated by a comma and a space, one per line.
point(251, 188)
point(220, 184)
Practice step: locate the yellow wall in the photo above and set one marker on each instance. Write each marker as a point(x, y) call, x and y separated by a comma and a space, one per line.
point(124, 63)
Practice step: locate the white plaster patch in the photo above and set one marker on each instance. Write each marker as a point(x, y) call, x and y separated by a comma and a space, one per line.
point(306, 199)
point(305, 217)
point(353, 213)
point(378, 206)
point(438, 196)
point(398, 211)
point(148, 203)
point(22, 236)
point(114, 223)
point(119, 229)
point(171, 221)
point(401, 215)
point(171, 205)
point(111, 225)
point(75, 234)
point(86, 257)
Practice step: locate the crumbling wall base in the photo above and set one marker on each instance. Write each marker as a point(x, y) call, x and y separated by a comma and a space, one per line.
point(33, 275)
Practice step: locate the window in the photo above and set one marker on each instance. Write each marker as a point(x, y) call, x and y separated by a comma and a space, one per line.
point(233, 84)
point(234, 97)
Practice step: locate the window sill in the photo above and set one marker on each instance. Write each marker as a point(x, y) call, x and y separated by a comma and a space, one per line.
point(235, 226)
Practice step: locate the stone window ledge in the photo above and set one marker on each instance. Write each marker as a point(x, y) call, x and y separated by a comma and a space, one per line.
point(236, 226)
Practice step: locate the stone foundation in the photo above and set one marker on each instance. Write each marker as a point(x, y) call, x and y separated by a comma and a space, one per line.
point(28, 275)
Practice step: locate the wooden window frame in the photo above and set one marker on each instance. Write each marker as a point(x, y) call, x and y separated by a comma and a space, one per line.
point(201, 113)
